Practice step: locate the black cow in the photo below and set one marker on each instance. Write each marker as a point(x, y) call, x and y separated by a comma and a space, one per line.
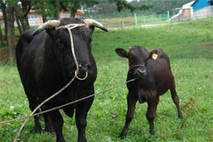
point(154, 79)
point(45, 63)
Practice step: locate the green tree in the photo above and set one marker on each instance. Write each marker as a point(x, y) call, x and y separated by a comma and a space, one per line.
point(51, 8)
point(22, 8)
point(132, 6)
point(17, 10)
point(162, 6)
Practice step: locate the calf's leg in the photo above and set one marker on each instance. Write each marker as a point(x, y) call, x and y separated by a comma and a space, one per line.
point(175, 99)
point(131, 101)
point(151, 112)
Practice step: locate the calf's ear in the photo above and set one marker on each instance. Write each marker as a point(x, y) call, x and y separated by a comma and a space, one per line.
point(121, 52)
point(153, 54)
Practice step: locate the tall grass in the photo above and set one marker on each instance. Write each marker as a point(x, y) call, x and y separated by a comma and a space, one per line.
point(190, 48)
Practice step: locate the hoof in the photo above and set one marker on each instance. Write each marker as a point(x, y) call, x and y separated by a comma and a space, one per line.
point(123, 134)
point(82, 139)
point(180, 116)
point(152, 132)
point(38, 130)
point(49, 129)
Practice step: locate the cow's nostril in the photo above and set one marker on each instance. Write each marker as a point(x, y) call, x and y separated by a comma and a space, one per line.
point(84, 67)
point(88, 66)
point(140, 72)
point(80, 66)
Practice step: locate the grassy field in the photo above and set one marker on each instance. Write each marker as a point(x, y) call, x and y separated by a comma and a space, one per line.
point(190, 48)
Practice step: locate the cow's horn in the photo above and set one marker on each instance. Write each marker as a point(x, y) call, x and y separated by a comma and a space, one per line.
point(49, 24)
point(46, 25)
point(92, 22)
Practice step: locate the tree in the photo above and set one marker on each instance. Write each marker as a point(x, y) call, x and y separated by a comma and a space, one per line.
point(8, 8)
point(51, 8)
point(22, 9)
point(123, 4)
point(1, 36)
point(18, 10)
point(162, 6)
point(132, 6)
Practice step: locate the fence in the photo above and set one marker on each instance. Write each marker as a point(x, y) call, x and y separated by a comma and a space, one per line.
point(128, 19)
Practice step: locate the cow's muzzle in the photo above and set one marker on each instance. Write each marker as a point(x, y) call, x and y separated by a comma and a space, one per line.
point(82, 73)
point(139, 71)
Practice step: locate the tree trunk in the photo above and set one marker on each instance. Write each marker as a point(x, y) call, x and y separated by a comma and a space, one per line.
point(3, 7)
point(21, 19)
point(57, 6)
point(19, 24)
point(1, 36)
point(44, 18)
point(26, 6)
point(24, 23)
point(73, 11)
point(11, 34)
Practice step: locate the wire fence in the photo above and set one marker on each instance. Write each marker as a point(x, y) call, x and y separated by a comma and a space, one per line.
point(129, 19)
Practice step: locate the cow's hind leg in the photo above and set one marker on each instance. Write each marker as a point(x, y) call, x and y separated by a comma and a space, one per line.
point(81, 115)
point(33, 104)
point(131, 101)
point(151, 112)
point(175, 99)
point(57, 122)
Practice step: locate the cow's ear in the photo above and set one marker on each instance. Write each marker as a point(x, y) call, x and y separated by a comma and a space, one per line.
point(92, 28)
point(121, 52)
point(153, 54)
point(51, 32)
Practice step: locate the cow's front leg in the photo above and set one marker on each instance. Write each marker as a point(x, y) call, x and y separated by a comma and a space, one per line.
point(150, 115)
point(81, 115)
point(131, 101)
point(57, 122)
point(48, 123)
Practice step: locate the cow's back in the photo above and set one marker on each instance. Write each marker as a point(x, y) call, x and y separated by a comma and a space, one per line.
point(161, 71)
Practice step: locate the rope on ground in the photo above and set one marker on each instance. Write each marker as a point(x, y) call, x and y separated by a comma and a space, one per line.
point(70, 103)
point(46, 100)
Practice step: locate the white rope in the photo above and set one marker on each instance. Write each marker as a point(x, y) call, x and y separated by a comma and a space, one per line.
point(69, 27)
point(67, 104)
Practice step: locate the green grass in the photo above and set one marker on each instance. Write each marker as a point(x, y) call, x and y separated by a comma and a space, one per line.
point(190, 48)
